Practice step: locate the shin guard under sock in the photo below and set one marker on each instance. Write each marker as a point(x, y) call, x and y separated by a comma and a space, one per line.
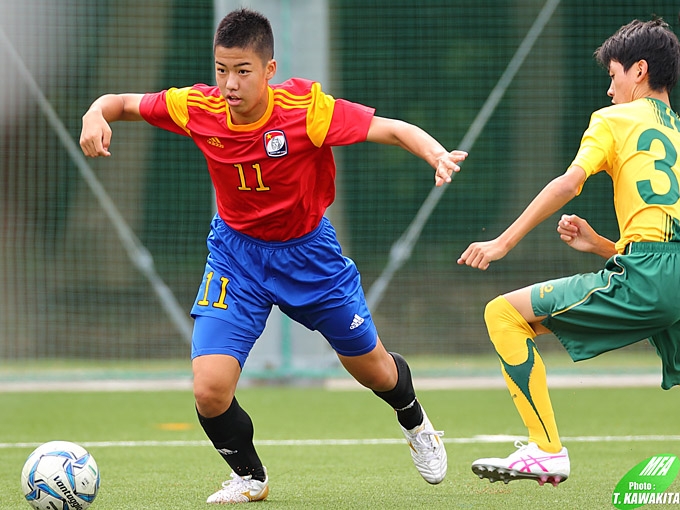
point(402, 397)
point(231, 433)
point(524, 372)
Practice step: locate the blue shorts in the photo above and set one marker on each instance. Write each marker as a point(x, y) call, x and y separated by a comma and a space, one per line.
point(308, 278)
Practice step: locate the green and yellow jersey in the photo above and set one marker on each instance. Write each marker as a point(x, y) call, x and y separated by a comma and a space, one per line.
point(637, 144)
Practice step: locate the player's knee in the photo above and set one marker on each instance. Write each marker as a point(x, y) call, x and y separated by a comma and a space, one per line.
point(211, 401)
point(377, 374)
point(500, 317)
point(494, 310)
point(386, 376)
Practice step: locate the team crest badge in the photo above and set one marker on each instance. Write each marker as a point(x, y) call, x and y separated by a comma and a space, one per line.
point(275, 143)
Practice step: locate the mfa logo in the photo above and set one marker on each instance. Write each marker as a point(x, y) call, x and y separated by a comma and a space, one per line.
point(275, 143)
point(646, 483)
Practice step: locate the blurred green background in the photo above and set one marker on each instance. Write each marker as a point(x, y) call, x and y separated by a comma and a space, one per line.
point(67, 286)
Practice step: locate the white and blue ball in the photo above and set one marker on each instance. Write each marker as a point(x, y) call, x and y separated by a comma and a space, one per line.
point(60, 475)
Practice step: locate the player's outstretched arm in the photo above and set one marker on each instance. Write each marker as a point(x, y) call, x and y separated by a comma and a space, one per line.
point(95, 136)
point(556, 194)
point(577, 233)
point(417, 142)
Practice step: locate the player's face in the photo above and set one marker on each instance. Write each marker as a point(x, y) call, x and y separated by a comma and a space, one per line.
point(243, 80)
point(624, 84)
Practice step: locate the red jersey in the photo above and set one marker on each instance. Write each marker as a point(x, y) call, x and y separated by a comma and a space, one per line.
point(273, 178)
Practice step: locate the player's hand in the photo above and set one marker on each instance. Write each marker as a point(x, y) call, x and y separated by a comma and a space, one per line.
point(447, 165)
point(577, 233)
point(479, 255)
point(95, 136)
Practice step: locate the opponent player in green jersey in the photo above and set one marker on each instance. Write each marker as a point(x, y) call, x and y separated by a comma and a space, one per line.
point(635, 297)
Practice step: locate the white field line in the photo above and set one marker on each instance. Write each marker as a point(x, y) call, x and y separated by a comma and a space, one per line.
point(493, 382)
point(340, 384)
point(97, 385)
point(481, 439)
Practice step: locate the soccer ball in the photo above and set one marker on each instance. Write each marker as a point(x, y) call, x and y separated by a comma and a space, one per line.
point(60, 475)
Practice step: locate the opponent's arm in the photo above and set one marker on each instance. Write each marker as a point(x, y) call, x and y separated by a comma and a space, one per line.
point(577, 233)
point(418, 142)
point(555, 195)
point(95, 136)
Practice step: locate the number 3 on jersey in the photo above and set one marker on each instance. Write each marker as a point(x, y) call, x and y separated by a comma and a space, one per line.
point(221, 301)
point(664, 165)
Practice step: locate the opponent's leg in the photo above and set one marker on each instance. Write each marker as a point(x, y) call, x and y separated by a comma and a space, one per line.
point(524, 371)
point(229, 428)
point(544, 459)
point(389, 376)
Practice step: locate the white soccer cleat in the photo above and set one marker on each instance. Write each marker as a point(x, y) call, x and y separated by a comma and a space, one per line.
point(427, 450)
point(529, 462)
point(241, 490)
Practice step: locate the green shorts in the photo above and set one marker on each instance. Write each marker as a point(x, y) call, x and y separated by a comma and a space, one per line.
point(635, 297)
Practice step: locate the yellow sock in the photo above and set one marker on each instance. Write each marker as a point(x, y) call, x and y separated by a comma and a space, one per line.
point(524, 372)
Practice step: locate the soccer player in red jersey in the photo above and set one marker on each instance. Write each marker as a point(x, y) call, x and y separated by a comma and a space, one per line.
point(268, 151)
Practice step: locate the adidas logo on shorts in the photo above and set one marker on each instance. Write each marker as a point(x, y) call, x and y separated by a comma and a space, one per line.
point(356, 322)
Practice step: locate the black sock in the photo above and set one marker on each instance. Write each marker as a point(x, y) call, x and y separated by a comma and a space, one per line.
point(231, 433)
point(402, 397)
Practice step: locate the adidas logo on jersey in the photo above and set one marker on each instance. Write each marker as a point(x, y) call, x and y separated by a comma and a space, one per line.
point(356, 322)
point(215, 142)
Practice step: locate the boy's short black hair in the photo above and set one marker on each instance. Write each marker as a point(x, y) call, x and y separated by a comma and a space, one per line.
point(653, 41)
point(245, 28)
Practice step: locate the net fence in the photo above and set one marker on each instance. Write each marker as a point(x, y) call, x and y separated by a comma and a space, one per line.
point(101, 259)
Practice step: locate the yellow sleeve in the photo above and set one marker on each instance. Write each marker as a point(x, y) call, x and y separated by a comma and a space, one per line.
point(319, 115)
point(594, 154)
point(176, 101)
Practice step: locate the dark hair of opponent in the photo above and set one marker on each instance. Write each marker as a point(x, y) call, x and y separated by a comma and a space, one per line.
point(653, 41)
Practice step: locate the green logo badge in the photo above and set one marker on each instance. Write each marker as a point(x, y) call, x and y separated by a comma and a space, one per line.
point(647, 482)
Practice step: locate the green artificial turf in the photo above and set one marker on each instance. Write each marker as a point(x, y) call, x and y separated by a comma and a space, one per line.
point(153, 455)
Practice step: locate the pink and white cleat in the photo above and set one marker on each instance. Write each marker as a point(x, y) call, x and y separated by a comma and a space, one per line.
point(529, 462)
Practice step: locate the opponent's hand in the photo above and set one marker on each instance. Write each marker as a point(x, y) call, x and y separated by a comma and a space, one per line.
point(95, 136)
point(447, 165)
point(479, 255)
